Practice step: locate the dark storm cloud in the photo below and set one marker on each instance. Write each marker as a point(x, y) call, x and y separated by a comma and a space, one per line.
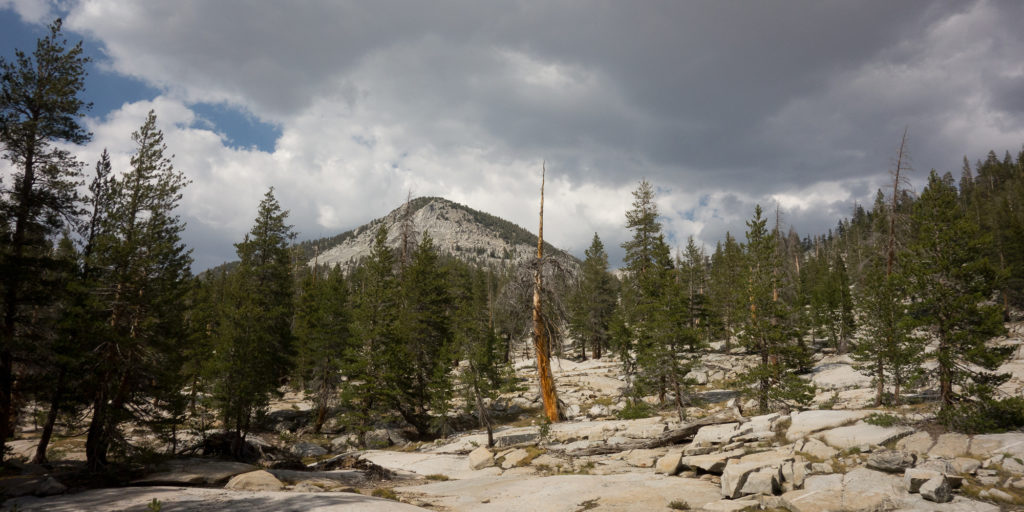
point(695, 80)
point(796, 103)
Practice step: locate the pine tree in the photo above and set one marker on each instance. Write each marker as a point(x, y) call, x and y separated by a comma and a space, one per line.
point(421, 357)
point(952, 279)
point(40, 112)
point(832, 302)
point(141, 269)
point(484, 372)
point(728, 282)
point(375, 329)
point(647, 324)
point(253, 347)
point(593, 303)
point(888, 348)
point(322, 337)
point(767, 332)
point(59, 360)
point(693, 276)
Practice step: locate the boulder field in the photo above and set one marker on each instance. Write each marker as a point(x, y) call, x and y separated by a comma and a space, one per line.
point(842, 458)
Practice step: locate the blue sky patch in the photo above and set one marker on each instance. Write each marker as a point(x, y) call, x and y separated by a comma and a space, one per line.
point(109, 91)
point(242, 129)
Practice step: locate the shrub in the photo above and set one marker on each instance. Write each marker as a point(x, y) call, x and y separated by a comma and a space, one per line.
point(984, 416)
point(384, 492)
point(635, 411)
point(882, 420)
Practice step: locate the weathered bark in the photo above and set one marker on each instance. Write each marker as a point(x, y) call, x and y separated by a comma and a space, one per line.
point(541, 341)
point(97, 440)
point(891, 248)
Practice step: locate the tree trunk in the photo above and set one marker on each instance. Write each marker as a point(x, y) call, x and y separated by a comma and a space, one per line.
point(680, 410)
point(891, 252)
point(51, 419)
point(541, 343)
point(6, 390)
point(321, 417)
point(880, 377)
point(945, 372)
point(96, 441)
point(481, 411)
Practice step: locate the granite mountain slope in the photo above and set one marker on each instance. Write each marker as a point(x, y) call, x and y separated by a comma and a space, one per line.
point(456, 230)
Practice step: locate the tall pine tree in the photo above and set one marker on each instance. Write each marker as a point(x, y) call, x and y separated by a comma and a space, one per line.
point(141, 272)
point(253, 346)
point(648, 328)
point(323, 338)
point(952, 279)
point(593, 302)
point(40, 113)
point(767, 332)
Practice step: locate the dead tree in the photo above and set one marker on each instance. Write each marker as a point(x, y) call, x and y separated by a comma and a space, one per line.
point(901, 160)
point(408, 233)
point(541, 340)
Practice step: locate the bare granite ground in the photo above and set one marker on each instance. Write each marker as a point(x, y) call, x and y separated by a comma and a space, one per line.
point(719, 459)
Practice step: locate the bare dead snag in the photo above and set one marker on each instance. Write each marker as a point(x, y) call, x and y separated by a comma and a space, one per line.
point(541, 341)
point(890, 257)
point(891, 250)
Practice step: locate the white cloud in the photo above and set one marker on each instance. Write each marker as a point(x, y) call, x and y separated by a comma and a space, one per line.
point(32, 11)
point(376, 99)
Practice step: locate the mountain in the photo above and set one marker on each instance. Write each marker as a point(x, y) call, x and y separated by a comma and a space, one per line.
point(456, 229)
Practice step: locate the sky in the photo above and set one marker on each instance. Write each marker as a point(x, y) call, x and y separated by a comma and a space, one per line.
point(346, 107)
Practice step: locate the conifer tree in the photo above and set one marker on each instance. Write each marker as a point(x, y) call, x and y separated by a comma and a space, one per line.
point(647, 325)
point(952, 278)
point(322, 337)
point(253, 345)
point(419, 366)
point(728, 283)
point(888, 348)
point(375, 328)
point(593, 302)
point(54, 375)
point(832, 302)
point(767, 332)
point(40, 112)
point(141, 270)
point(484, 372)
point(693, 276)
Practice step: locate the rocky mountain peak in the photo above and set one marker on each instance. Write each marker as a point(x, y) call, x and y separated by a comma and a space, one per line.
point(457, 230)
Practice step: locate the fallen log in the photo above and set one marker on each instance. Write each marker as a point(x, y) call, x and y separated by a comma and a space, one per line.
point(674, 436)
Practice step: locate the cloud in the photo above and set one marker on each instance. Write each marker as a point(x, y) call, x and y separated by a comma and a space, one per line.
point(31, 11)
point(721, 105)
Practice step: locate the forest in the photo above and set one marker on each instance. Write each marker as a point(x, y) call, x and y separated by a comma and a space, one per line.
point(104, 323)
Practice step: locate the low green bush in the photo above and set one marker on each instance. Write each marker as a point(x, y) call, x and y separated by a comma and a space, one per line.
point(984, 416)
